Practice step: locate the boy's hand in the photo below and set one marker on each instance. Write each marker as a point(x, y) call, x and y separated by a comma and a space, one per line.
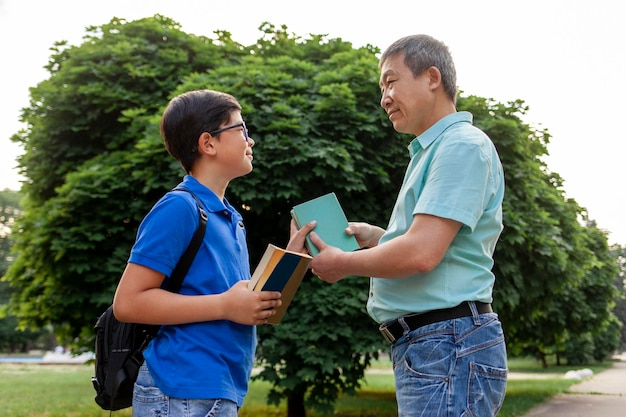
point(244, 306)
point(297, 237)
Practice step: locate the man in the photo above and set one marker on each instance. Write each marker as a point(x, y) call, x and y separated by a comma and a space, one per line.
point(431, 280)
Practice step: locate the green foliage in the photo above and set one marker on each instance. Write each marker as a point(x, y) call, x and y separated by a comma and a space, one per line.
point(13, 340)
point(606, 340)
point(594, 306)
point(579, 350)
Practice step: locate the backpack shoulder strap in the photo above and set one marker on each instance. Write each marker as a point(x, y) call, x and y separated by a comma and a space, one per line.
point(182, 267)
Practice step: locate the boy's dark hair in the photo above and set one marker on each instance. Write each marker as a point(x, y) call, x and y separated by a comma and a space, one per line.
point(190, 114)
point(422, 52)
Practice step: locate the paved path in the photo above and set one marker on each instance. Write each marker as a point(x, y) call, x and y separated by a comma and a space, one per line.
point(602, 395)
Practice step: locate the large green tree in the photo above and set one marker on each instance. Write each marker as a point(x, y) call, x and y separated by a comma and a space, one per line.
point(96, 164)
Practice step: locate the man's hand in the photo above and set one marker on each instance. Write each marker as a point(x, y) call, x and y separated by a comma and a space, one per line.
point(366, 234)
point(326, 264)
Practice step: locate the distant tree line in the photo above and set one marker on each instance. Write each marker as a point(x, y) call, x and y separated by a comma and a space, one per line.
point(12, 338)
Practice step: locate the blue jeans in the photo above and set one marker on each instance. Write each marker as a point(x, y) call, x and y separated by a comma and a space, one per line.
point(451, 368)
point(150, 401)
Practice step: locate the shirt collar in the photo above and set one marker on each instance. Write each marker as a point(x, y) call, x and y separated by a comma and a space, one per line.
point(432, 133)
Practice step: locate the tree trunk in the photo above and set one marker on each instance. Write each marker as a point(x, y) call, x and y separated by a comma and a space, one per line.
point(542, 357)
point(295, 405)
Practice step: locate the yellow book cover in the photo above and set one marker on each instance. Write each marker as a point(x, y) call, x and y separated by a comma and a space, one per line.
point(331, 222)
point(280, 270)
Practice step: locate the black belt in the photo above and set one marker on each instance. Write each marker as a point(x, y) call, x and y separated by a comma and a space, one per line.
point(393, 330)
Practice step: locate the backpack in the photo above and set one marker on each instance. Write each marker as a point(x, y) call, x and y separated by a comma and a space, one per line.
point(119, 346)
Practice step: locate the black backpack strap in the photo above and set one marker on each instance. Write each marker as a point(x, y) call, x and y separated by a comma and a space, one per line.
point(181, 269)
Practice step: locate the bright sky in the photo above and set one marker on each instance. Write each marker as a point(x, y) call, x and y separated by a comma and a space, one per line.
point(564, 58)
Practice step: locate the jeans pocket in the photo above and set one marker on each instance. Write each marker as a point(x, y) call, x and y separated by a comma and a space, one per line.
point(146, 390)
point(486, 390)
point(430, 357)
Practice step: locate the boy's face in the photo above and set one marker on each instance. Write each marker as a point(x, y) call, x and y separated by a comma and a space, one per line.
point(235, 147)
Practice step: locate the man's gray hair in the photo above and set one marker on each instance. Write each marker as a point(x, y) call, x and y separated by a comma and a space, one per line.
point(422, 52)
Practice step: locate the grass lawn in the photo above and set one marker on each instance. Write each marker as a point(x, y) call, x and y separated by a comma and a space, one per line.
point(34, 390)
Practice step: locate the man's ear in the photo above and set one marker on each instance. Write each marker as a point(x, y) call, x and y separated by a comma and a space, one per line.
point(206, 144)
point(434, 76)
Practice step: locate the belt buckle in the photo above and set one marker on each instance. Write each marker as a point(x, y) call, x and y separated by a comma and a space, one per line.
point(386, 333)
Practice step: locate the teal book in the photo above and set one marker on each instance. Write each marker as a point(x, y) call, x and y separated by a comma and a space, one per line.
point(331, 222)
point(280, 270)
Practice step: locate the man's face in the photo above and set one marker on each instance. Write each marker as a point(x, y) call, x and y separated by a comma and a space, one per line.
point(405, 98)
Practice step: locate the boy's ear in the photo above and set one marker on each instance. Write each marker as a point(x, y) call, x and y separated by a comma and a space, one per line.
point(206, 144)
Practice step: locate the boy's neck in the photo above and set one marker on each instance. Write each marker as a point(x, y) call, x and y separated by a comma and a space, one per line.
point(218, 187)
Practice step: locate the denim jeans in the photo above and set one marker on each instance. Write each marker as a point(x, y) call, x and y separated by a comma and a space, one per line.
point(150, 401)
point(454, 368)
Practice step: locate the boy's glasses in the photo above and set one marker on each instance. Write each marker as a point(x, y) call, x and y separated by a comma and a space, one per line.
point(235, 126)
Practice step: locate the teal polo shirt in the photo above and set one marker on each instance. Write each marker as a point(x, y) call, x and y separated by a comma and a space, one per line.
point(454, 173)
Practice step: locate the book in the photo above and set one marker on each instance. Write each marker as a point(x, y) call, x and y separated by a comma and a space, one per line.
point(331, 222)
point(280, 270)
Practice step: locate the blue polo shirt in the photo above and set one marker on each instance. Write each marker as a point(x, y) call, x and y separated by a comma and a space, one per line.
point(198, 360)
point(454, 173)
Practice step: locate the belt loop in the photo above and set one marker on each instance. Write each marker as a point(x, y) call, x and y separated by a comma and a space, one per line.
point(405, 326)
point(475, 313)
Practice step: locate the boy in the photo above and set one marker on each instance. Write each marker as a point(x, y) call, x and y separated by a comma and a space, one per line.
point(201, 360)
